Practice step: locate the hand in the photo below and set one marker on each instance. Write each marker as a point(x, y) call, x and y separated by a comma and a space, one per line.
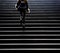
point(16, 8)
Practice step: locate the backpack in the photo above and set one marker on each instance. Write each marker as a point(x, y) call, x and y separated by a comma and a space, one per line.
point(22, 5)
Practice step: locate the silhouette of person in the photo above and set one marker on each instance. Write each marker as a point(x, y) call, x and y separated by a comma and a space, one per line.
point(22, 6)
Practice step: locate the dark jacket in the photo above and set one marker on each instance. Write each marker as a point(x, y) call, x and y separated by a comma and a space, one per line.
point(18, 3)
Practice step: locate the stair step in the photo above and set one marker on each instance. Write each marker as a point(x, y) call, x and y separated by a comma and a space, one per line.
point(41, 31)
point(30, 21)
point(30, 44)
point(31, 8)
point(29, 28)
point(30, 31)
point(32, 35)
point(29, 15)
point(31, 49)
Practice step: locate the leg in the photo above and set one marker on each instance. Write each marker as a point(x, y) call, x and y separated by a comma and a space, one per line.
point(23, 20)
point(21, 16)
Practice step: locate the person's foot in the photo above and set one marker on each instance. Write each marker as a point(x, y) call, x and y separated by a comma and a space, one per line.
point(23, 24)
point(20, 18)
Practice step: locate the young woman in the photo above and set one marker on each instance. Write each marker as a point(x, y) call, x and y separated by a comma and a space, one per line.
point(22, 6)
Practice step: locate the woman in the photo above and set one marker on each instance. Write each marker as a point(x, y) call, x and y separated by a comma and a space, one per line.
point(22, 7)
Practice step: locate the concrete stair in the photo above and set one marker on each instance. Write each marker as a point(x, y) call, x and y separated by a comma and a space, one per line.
point(42, 26)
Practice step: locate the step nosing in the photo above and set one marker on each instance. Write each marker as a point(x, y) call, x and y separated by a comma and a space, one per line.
point(29, 39)
point(30, 44)
point(31, 49)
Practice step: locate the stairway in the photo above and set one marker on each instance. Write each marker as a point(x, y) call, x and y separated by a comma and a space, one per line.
point(42, 27)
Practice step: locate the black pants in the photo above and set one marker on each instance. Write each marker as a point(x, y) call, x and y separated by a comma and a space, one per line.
point(22, 14)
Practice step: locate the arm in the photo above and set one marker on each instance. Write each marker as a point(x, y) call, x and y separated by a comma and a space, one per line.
point(27, 5)
point(18, 3)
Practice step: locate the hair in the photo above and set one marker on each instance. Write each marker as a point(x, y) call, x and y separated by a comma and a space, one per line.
point(24, 0)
